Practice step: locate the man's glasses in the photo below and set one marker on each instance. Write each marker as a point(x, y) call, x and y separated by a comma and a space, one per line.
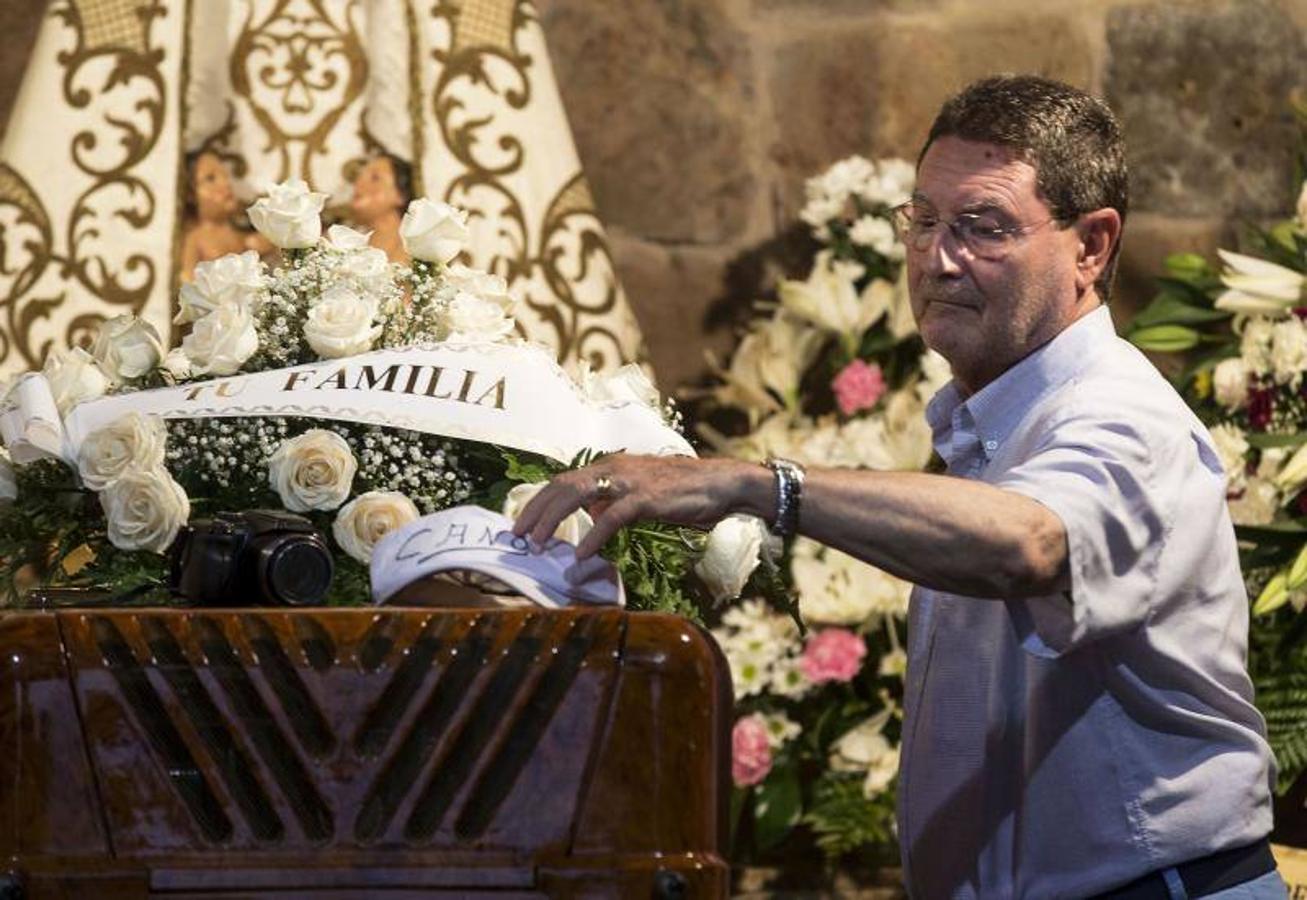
point(985, 235)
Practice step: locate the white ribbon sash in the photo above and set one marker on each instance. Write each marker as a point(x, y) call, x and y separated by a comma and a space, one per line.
point(514, 395)
point(472, 539)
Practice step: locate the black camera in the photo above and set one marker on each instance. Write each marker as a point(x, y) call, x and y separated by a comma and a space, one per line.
point(257, 558)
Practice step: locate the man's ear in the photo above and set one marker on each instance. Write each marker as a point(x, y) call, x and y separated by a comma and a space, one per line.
point(1099, 232)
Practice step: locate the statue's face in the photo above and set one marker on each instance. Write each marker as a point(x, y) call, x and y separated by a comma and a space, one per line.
point(375, 191)
point(214, 198)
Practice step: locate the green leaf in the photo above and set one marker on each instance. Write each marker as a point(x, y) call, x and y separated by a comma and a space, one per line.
point(1164, 338)
point(777, 807)
point(1267, 441)
point(1273, 596)
point(1171, 309)
point(1186, 265)
point(1298, 571)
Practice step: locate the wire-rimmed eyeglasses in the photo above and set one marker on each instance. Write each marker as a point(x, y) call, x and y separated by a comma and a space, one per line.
point(985, 235)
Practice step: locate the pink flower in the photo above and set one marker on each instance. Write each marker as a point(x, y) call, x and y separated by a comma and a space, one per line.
point(833, 654)
point(858, 387)
point(750, 751)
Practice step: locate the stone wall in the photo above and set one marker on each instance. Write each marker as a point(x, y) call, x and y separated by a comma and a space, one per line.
point(698, 121)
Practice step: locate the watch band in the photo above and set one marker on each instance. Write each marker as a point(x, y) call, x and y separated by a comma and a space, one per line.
point(789, 493)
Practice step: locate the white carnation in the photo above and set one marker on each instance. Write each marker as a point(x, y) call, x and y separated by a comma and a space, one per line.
point(1258, 503)
point(1255, 345)
point(837, 589)
point(571, 529)
point(74, 375)
point(433, 232)
point(1230, 383)
point(368, 518)
point(144, 509)
point(312, 471)
point(874, 232)
point(221, 342)
point(1231, 448)
point(127, 348)
point(340, 324)
point(730, 555)
point(130, 443)
point(1288, 350)
point(234, 278)
point(289, 216)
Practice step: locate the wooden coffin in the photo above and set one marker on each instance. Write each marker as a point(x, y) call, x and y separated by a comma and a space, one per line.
point(390, 753)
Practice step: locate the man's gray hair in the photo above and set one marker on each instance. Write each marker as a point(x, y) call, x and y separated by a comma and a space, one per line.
point(1071, 138)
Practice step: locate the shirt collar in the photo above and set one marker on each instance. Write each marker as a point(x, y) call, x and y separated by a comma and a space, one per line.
point(995, 411)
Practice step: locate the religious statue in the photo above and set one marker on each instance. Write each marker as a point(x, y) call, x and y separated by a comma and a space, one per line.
point(210, 205)
point(383, 188)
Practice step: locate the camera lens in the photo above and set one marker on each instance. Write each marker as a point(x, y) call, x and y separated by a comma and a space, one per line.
point(298, 571)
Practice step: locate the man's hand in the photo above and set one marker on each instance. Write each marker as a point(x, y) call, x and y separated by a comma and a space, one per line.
point(680, 490)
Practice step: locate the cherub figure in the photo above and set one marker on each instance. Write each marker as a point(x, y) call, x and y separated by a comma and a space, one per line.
point(383, 188)
point(210, 205)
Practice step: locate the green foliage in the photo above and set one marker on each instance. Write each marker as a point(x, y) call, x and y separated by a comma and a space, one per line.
point(842, 817)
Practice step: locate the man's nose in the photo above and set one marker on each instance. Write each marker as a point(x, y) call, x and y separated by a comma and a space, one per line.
point(942, 257)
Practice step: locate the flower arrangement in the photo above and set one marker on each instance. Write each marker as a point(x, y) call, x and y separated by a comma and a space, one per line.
point(1245, 324)
point(102, 513)
point(832, 374)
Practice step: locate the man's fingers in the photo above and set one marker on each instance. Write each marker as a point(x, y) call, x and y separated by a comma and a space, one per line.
point(559, 505)
point(621, 513)
point(530, 513)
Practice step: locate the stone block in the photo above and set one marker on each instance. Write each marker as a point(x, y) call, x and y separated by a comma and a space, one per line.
point(658, 93)
point(874, 89)
point(670, 291)
point(1204, 96)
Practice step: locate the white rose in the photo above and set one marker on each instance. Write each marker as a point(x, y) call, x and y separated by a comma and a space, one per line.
point(289, 215)
point(177, 364)
point(485, 285)
point(345, 239)
point(234, 278)
point(1230, 383)
point(127, 348)
point(220, 342)
point(731, 555)
point(1288, 350)
point(432, 231)
point(473, 318)
point(130, 443)
point(629, 384)
point(8, 480)
point(571, 529)
point(1231, 449)
point(341, 324)
point(144, 509)
point(368, 518)
point(312, 471)
point(74, 375)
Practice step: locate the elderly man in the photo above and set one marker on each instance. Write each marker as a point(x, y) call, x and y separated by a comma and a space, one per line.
point(1078, 716)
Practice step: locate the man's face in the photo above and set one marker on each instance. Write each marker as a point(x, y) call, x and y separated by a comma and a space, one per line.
point(375, 191)
point(983, 315)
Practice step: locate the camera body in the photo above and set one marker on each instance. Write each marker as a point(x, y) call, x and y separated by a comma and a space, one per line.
point(258, 558)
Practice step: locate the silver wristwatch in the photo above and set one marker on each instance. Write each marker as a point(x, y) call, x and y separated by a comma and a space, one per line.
point(789, 491)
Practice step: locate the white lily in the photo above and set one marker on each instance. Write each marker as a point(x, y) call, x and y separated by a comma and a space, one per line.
point(1257, 287)
point(829, 300)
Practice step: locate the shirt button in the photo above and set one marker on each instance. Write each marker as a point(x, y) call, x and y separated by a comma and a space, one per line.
point(991, 445)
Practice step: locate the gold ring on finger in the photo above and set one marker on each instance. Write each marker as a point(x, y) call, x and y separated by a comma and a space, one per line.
point(604, 488)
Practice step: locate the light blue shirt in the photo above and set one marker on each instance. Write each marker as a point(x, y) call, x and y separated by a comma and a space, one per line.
point(1061, 746)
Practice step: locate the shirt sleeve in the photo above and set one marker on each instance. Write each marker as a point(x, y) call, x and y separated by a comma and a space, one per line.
point(1096, 476)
